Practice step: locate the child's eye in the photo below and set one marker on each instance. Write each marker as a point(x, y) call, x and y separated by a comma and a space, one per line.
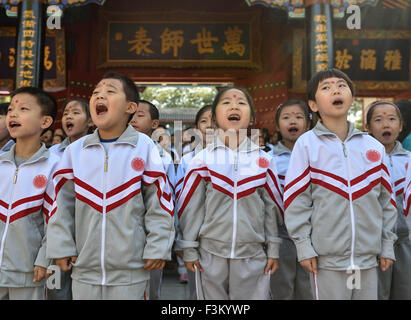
point(325, 88)
point(95, 92)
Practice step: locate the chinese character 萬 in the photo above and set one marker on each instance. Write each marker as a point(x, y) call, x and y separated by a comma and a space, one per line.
point(233, 44)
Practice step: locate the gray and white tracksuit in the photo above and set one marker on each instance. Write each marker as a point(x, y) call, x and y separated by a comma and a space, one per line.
point(113, 211)
point(229, 211)
point(339, 206)
point(26, 194)
point(291, 281)
point(65, 292)
point(395, 283)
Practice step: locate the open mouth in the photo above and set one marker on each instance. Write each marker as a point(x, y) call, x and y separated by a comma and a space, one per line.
point(338, 102)
point(234, 118)
point(69, 126)
point(13, 125)
point(386, 134)
point(101, 109)
point(293, 130)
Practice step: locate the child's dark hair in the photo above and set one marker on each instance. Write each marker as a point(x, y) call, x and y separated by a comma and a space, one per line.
point(312, 85)
point(4, 107)
point(84, 104)
point(46, 102)
point(129, 86)
point(370, 110)
point(405, 108)
point(200, 112)
point(154, 114)
point(225, 89)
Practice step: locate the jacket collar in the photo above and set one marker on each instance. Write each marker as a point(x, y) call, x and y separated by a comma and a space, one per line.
point(320, 129)
point(129, 136)
point(8, 145)
point(245, 146)
point(399, 149)
point(43, 152)
point(63, 145)
point(279, 149)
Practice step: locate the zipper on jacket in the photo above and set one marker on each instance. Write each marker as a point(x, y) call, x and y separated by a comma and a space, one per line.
point(3, 238)
point(347, 169)
point(103, 224)
point(232, 254)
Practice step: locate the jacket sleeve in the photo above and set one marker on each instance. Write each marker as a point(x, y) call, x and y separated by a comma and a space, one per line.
point(298, 203)
point(388, 205)
point(407, 198)
point(158, 219)
point(60, 229)
point(273, 200)
point(191, 210)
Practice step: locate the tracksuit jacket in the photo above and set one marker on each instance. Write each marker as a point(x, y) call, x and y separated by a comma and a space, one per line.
point(407, 196)
point(338, 200)
point(26, 199)
point(112, 210)
point(231, 203)
point(396, 163)
point(59, 148)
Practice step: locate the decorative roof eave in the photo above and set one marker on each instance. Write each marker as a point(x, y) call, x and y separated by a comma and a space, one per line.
point(8, 4)
point(295, 8)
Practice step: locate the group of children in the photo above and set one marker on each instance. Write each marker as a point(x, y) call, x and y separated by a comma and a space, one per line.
point(323, 215)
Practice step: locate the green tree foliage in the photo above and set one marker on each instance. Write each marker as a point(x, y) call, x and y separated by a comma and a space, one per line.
point(179, 97)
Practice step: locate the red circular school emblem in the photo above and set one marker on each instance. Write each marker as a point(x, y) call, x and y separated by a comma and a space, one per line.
point(373, 155)
point(138, 164)
point(40, 181)
point(263, 162)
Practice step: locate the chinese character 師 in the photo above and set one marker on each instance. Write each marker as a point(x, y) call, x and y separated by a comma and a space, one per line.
point(171, 39)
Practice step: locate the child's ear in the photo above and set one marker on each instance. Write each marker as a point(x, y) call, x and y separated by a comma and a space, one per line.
point(313, 105)
point(47, 122)
point(155, 124)
point(131, 108)
point(90, 123)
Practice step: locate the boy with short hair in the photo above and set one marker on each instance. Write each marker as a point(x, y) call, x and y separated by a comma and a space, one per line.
point(26, 193)
point(146, 119)
point(339, 207)
point(5, 139)
point(114, 214)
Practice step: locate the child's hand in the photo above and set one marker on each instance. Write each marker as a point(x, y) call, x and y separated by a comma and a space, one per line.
point(385, 263)
point(154, 264)
point(39, 273)
point(272, 266)
point(310, 264)
point(190, 266)
point(66, 263)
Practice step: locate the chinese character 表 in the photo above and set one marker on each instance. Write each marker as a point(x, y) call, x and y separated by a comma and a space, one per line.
point(141, 42)
point(171, 39)
point(204, 41)
point(233, 45)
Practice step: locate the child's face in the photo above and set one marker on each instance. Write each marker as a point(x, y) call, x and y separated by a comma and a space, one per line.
point(74, 120)
point(333, 99)
point(56, 139)
point(205, 124)
point(385, 125)
point(142, 121)
point(4, 133)
point(163, 137)
point(24, 117)
point(233, 111)
point(109, 108)
point(292, 123)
